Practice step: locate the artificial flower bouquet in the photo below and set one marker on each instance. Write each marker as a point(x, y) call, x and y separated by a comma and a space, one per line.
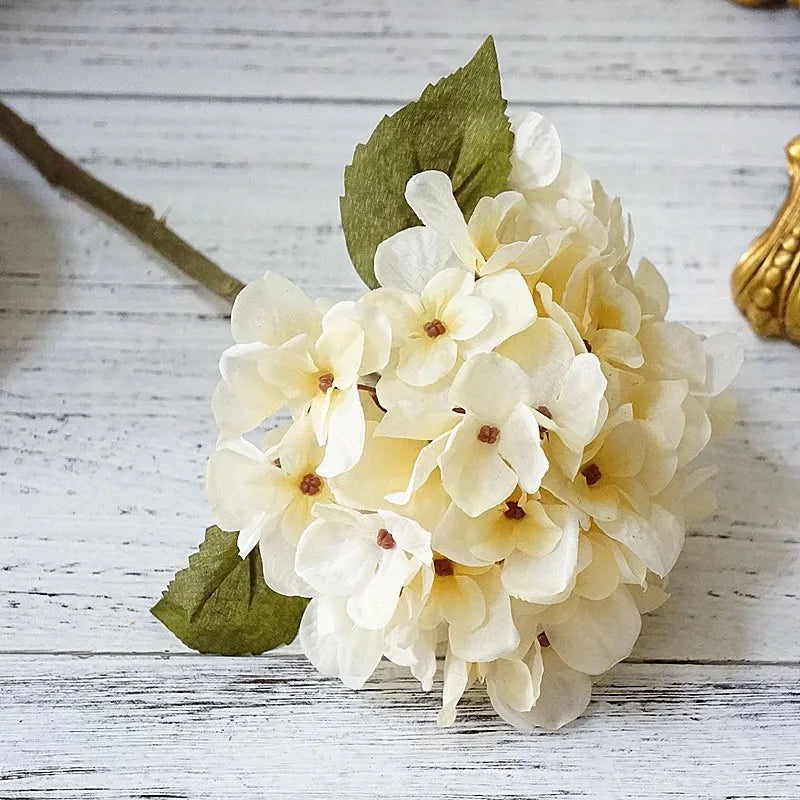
point(492, 453)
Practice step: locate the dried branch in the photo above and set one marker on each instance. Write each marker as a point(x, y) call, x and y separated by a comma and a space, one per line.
point(137, 218)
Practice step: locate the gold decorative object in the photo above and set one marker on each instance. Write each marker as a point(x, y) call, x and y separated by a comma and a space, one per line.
point(766, 281)
point(767, 3)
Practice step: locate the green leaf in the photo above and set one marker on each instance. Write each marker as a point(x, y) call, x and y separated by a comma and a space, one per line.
point(458, 126)
point(220, 603)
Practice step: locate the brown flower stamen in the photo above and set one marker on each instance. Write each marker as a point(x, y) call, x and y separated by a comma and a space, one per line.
point(434, 328)
point(277, 463)
point(385, 539)
point(543, 640)
point(311, 484)
point(488, 434)
point(443, 567)
point(514, 511)
point(325, 382)
point(592, 474)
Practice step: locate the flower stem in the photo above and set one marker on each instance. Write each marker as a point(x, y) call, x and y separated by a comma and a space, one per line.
point(137, 218)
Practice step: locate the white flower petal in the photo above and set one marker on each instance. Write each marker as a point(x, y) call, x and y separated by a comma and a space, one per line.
point(536, 156)
point(334, 559)
point(510, 682)
point(374, 605)
point(277, 560)
point(426, 463)
point(497, 635)
point(456, 680)
point(490, 386)
point(563, 697)
point(466, 317)
point(600, 633)
point(512, 310)
point(547, 579)
point(377, 332)
point(384, 468)
point(521, 447)
point(653, 289)
point(424, 361)
point(410, 258)
point(272, 310)
point(430, 195)
point(473, 473)
point(409, 535)
point(345, 433)
point(657, 541)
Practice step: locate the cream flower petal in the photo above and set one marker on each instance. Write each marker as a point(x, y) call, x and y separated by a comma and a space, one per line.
point(547, 579)
point(426, 463)
point(298, 451)
point(490, 386)
point(457, 533)
point(376, 328)
point(488, 217)
point(536, 534)
point(430, 195)
point(672, 351)
point(463, 603)
point(409, 535)
point(345, 433)
point(696, 431)
point(724, 359)
point(521, 447)
point(444, 287)
point(544, 353)
point(657, 541)
point(271, 310)
point(511, 310)
point(510, 682)
point(601, 577)
point(385, 467)
point(412, 420)
point(465, 317)
point(563, 696)
point(600, 634)
point(457, 678)
point(410, 258)
point(403, 309)
point(497, 634)
point(424, 361)
point(579, 399)
point(473, 473)
point(618, 347)
point(652, 289)
point(527, 257)
point(340, 348)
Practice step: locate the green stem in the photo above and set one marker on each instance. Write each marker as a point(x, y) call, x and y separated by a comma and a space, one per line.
point(137, 218)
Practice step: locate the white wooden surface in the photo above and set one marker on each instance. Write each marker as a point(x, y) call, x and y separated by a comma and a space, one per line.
point(237, 118)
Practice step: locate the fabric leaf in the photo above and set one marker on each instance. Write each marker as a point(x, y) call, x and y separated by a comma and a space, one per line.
point(220, 603)
point(457, 126)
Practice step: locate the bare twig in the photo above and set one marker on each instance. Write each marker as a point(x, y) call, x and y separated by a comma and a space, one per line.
point(372, 392)
point(135, 217)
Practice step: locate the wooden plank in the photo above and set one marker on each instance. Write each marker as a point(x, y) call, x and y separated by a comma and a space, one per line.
point(568, 51)
point(208, 728)
point(109, 357)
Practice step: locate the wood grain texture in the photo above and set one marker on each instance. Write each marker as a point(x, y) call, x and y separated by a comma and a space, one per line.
point(208, 728)
point(639, 51)
point(236, 119)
